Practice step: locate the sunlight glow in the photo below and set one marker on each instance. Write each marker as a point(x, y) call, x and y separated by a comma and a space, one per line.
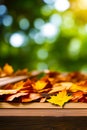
point(56, 19)
point(17, 39)
point(49, 30)
point(61, 5)
point(68, 20)
point(82, 4)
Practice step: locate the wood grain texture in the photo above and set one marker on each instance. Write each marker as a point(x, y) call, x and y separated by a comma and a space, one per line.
point(45, 123)
point(43, 110)
point(42, 116)
point(40, 105)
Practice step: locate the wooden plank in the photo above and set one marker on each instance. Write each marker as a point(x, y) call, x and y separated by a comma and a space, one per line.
point(41, 105)
point(43, 123)
point(43, 110)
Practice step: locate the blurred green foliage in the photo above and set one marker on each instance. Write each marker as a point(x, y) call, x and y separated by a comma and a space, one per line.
point(43, 34)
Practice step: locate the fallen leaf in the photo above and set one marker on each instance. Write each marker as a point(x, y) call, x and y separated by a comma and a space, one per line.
point(39, 85)
point(60, 87)
point(8, 69)
point(19, 85)
point(30, 97)
point(60, 99)
point(75, 88)
point(77, 95)
point(3, 92)
point(17, 95)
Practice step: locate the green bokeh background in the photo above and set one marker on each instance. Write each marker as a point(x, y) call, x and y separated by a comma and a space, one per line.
point(66, 51)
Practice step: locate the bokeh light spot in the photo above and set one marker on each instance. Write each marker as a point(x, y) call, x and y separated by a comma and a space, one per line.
point(61, 5)
point(38, 23)
point(7, 20)
point(48, 1)
point(46, 10)
point(3, 10)
point(32, 33)
point(42, 54)
point(56, 19)
point(68, 20)
point(17, 39)
point(24, 24)
point(39, 39)
point(42, 66)
point(49, 30)
point(74, 48)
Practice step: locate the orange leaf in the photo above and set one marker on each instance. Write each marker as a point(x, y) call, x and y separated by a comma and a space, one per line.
point(75, 88)
point(39, 85)
point(8, 69)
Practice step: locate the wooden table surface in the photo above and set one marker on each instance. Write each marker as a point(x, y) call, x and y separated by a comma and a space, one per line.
point(43, 116)
point(43, 109)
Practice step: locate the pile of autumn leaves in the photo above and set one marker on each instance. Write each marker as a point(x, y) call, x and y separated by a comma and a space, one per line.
point(53, 87)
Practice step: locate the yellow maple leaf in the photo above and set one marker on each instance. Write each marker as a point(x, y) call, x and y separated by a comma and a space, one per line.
point(39, 85)
point(60, 99)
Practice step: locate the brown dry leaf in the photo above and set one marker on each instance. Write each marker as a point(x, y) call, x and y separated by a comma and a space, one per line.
point(60, 86)
point(30, 97)
point(17, 95)
point(27, 90)
point(45, 90)
point(76, 76)
point(22, 72)
point(27, 87)
point(42, 100)
point(41, 88)
point(10, 91)
point(26, 98)
point(60, 99)
point(82, 83)
point(2, 74)
point(77, 95)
